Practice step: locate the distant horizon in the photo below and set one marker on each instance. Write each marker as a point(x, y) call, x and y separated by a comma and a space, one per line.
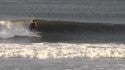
point(104, 11)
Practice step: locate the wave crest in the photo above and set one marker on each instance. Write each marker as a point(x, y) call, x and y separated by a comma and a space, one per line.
point(11, 28)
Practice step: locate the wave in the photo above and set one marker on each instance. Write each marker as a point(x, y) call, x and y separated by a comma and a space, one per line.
point(44, 25)
point(62, 50)
point(11, 28)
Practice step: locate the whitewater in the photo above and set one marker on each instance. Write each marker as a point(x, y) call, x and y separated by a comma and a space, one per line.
point(11, 28)
point(61, 50)
point(61, 45)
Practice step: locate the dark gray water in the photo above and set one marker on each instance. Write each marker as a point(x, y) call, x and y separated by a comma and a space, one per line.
point(72, 10)
point(63, 32)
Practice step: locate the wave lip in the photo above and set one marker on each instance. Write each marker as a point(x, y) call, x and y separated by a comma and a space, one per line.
point(11, 28)
point(62, 50)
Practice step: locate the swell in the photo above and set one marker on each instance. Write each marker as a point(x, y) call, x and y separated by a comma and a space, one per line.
point(58, 26)
point(80, 32)
point(61, 31)
point(55, 26)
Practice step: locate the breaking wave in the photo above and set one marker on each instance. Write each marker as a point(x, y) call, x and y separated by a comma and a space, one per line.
point(58, 32)
point(62, 50)
point(11, 28)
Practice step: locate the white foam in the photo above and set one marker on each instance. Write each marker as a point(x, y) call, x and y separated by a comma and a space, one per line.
point(61, 50)
point(11, 28)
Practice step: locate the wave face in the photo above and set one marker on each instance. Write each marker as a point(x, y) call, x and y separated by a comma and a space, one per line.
point(62, 50)
point(62, 39)
point(62, 31)
point(11, 28)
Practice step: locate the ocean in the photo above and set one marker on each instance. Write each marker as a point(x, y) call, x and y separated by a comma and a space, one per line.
point(70, 35)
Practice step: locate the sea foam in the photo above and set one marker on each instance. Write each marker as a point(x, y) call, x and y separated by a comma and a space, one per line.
point(61, 50)
point(11, 28)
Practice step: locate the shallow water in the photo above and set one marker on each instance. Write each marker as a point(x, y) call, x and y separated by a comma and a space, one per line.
point(62, 64)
